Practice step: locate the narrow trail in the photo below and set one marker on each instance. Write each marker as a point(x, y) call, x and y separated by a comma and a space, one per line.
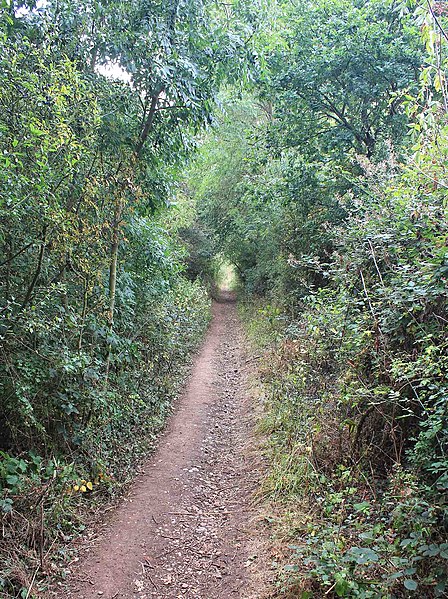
point(184, 529)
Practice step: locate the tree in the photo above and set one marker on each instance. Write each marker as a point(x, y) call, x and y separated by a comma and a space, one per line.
point(342, 73)
point(86, 160)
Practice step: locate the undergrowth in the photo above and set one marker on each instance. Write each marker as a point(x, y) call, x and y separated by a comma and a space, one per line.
point(49, 497)
point(355, 510)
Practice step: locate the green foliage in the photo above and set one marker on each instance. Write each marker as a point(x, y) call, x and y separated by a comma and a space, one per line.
point(339, 73)
point(86, 163)
point(298, 187)
point(333, 86)
point(347, 245)
point(368, 528)
point(100, 105)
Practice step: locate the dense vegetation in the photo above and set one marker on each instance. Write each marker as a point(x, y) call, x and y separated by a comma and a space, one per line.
point(320, 175)
point(326, 186)
point(100, 103)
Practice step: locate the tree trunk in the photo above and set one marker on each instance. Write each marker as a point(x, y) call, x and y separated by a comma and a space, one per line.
point(113, 275)
point(85, 299)
point(148, 124)
point(40, 260)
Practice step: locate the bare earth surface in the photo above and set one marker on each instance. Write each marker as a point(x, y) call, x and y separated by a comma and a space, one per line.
point(184, 531)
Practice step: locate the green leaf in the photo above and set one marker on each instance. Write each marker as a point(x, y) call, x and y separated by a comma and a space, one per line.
point(290, 568)
point(12, 480)
point(410, 584)
point(364, 506)
point(35, 131)
point(6, 505)
point(341, 586)
point(362, 555)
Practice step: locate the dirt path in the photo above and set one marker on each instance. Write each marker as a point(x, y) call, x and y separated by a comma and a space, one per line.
point(183, 531)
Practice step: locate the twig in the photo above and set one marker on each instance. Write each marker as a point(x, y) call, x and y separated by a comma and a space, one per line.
point(441, 318)
point(330, 589)
point(85, 580)
point(50, 548)
point(186, 545)
point(376, 264)
point(41, 536)
point(165, 553)
point(442, 31)
point(152, 582)
point(32, 582)
point(367, 296)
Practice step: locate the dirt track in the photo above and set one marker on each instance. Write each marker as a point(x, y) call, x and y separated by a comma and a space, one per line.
point(183, 531)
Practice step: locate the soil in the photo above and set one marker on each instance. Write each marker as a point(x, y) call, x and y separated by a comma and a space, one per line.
point(185, 529)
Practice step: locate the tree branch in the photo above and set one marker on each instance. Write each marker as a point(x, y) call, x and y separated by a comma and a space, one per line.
point(40, 259)
point(148, 124)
